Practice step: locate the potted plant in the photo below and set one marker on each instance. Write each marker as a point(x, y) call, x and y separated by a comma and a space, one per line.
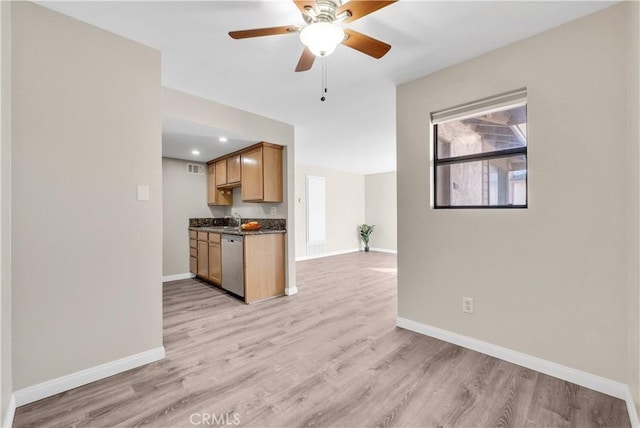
point(365, 233)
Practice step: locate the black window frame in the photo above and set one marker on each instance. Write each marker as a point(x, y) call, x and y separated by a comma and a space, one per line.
point(474, 158)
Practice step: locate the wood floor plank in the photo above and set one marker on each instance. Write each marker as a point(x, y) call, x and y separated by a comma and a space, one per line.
point(329, 356)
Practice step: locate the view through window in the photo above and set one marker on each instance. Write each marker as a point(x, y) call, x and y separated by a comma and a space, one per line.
point(481, 158)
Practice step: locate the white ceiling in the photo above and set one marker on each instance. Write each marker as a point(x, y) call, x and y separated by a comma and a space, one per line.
point(180, 138)
point(354, 130)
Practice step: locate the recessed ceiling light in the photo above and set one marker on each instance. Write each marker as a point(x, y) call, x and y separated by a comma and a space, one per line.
point(195, 152)
point(222, 139)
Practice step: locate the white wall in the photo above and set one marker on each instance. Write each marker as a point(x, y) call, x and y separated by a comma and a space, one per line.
point(254, 127)
point(184, 196)
point(87, 256)
point(381, 210)
point(6, 382)
point(633, 160)
point(344, 205)
point(255, 210)
point(550, 280)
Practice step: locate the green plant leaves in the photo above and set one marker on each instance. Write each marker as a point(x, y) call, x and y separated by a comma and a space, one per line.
point(365, 232)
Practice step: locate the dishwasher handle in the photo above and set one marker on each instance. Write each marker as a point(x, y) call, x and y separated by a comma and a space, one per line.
point(233, 238)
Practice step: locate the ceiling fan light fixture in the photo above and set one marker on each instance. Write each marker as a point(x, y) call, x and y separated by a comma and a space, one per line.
point(322, 38)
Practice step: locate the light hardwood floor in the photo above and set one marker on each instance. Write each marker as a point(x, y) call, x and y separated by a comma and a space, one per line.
point(330, 356)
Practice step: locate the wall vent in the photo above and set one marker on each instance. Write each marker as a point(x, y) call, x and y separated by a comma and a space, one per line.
point(195, 169)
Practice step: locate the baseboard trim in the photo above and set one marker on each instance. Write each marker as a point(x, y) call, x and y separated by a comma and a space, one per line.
point(7, 421)
point(290, 291)
point(64, 383)
point(588, 380)
point(333, 253)
point(178, 277)
point(384, 250)
point(631, 408)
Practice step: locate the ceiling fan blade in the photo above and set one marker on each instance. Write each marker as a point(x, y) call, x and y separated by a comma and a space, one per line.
point(365, 44)
point(306, 60)
point(304, 4)
point(360, 8)
point(259, 32)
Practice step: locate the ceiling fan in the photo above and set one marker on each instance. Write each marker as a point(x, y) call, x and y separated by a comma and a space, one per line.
point(322, 34)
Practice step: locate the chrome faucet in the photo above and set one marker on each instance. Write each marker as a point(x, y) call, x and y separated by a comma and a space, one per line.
point(239, 218)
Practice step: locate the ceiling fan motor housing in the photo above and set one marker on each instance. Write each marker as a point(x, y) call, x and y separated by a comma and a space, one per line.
point(326, 12)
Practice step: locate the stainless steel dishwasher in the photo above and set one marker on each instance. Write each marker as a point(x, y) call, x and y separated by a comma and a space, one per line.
point(233, 264)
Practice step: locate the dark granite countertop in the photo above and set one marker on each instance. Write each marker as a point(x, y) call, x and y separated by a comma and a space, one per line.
point(224, 225)
point(236, 231)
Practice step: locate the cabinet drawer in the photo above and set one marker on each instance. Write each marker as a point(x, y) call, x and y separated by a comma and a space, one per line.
point(214, 237)
point(193, 265)
point(194, 252)
point(193, 243)
point(202, 236)
point(193, 234)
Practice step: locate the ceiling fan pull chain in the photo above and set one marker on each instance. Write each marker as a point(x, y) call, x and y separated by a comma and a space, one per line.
point(322, 84)
point(324, 79)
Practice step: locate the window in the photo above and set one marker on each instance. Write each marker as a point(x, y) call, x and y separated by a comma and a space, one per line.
point(480, 153)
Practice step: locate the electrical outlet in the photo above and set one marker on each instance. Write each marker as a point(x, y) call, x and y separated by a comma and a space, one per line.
point(274, 211)
point(467, 305)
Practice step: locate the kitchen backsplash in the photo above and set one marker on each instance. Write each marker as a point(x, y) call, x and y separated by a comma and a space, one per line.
point(266, 223)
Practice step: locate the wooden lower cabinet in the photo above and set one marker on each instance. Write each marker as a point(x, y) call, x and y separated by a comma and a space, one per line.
point(193, 252)
point(215, 259)
point(263, 266)
point(203, 259)
point(264, 263)
point(193, 265)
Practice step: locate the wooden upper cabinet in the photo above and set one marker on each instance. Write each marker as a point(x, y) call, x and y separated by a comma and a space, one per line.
point(216, 196)
point(211, 184)
point(257, 169)
point(221, 172)
point(252, 179)
point(233, 170)
point(262, 174)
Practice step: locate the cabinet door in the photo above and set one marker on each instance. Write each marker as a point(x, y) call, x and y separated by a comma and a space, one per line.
point(221, 172)
point(203, 259)
point(217, 196)
point(233, 169)
point(252, 184)
point(211, 184)
point(272, 174)
point(215, 262)
point(264, 266)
